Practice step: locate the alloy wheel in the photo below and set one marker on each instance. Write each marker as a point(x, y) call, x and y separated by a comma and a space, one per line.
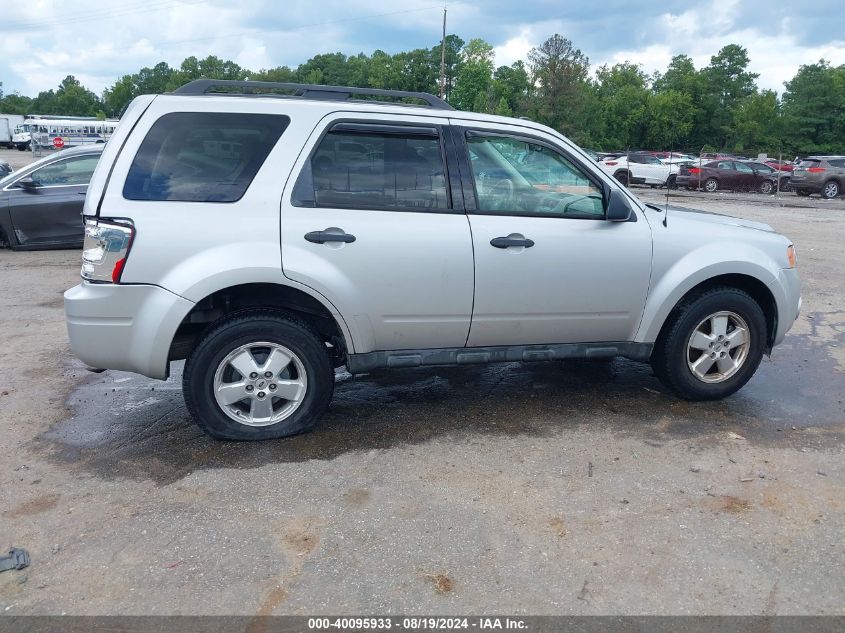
point(259, 384)
point(718, 347)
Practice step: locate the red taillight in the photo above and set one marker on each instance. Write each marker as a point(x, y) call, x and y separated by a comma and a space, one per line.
point(694, 170)
point(117, 271)
point(611, 163)
point(816, 170)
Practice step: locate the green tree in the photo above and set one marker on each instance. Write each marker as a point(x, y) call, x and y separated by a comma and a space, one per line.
point(670, 117)
point(209, 68)
point(280, 74)
point(814, 109)
point(728, 84)
point(474, 76)
point(682, 77)
point(757, 124)
point(623, 94)
point(561, 91)
point(511, 84)
point(15, 104)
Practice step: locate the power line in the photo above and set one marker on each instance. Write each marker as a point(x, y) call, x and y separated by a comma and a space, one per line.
point(307, 26)
point(99, 15)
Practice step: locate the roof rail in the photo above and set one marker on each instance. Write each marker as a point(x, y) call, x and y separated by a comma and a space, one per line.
point(302, 91)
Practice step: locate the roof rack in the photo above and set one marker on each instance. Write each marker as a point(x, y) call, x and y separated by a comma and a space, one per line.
point(302, 91)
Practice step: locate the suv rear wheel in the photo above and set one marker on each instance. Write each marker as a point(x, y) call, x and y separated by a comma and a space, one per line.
point(712, 346)
point(830, 189)
point(258, 375)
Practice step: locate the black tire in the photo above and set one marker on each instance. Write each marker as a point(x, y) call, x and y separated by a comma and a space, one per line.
point(671, 182)
point(622, 176)
point(830, 190)
point(669, 359)
point(803, 193)
point(260, 325)
point(766, 187)
point(711, 185)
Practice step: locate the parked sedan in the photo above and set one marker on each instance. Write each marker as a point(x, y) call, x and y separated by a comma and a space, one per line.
point(780, 165)
point(41, 204)
point(726, 174)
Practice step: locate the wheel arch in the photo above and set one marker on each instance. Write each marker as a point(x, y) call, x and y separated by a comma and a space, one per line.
point(230, 299)
point(752, 278)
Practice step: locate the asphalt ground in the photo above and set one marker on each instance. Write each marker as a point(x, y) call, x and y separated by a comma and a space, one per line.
point(545, 488)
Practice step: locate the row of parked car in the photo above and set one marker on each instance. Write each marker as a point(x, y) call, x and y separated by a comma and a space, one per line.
point(824, 175)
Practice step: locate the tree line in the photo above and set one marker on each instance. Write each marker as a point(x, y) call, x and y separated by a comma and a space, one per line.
point(717, 107)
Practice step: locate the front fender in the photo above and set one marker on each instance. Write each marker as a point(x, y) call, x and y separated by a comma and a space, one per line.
point(698, 266)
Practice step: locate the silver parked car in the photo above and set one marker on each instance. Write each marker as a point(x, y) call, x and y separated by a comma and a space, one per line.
point(270, 240)
point(824, 175)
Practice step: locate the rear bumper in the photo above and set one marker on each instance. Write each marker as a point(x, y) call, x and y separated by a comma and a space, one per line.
point(126, 327)
point(806, 185)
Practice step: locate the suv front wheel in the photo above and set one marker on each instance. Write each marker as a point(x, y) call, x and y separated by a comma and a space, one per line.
point(712, 346)
point(258, 375)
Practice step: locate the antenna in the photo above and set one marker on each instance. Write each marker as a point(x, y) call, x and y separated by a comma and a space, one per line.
point(669, 178)
point(443, 58)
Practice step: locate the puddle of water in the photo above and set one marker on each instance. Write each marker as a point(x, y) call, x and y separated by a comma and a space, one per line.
point(128, 426)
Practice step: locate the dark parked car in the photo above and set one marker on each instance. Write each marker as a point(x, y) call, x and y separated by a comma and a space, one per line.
point(772, 173)
point(41, 204)
point(727, 174)
point(780, 165)
point(820, 174)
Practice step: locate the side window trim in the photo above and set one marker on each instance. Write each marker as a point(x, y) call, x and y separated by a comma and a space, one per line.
point(462, 132)
point(302, 192)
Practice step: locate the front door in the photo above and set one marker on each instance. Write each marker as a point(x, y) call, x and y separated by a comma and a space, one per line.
point(548, 267)
point(370, 224)
point(50, 211)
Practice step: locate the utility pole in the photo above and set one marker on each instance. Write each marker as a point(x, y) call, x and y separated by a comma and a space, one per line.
point(443, 58)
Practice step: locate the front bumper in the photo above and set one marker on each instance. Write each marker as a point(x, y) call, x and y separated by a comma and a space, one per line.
point(789, 306)
point(125, 327)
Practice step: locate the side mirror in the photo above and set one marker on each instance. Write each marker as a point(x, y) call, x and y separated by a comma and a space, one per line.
point(618, 208)
point(28, 184)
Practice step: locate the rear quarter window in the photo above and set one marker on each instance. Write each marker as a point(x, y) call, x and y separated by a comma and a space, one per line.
point(202, 156)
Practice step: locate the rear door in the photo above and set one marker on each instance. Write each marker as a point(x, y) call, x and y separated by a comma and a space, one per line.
point(726, 174)
point(548, 267)
point(372, 225)
point(51, 213)
point(745, 176)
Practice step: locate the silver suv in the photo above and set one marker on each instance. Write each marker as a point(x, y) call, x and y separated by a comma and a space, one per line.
point(269, 233)
point(824, 175)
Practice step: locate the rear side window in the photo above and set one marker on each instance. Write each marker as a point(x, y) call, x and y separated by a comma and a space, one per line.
point(202, 156)
point(388, 170)
point(806, 163)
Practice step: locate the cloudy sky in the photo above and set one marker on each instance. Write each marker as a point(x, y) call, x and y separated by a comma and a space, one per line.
point(42, 41)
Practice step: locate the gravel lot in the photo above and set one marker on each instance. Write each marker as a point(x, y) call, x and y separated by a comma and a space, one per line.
point(549, 488)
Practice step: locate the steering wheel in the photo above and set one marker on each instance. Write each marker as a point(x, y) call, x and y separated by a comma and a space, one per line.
point(501, 191)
